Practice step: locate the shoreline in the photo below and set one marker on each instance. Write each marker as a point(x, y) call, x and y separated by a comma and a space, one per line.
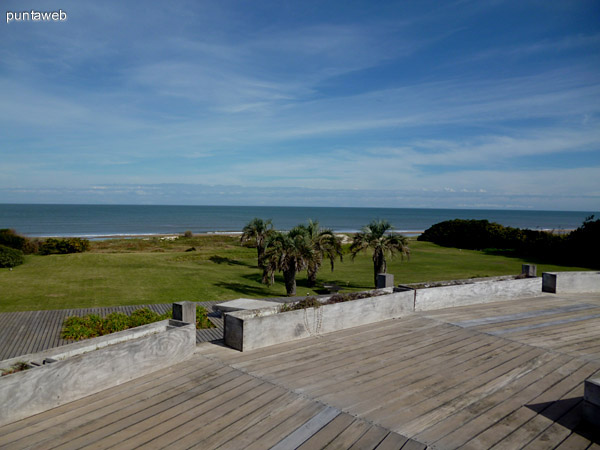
point(103, 237)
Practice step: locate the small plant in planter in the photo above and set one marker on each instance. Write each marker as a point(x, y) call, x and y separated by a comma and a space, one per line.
point(312, 302)
point(17, 367)
point(308, 302)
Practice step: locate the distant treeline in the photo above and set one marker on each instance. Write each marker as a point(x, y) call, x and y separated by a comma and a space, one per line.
point(580, 247)
point(13, 246)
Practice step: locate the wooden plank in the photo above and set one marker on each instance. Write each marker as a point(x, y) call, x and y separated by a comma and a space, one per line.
point(459, 392)
point(371, 439)
point(109, 408)
point(161, 433)
point(255, 419)
point(408, 361)
point(239, 415)
point(503, 402)
point(516, 317)
point(510, 426)
point(306, 430)
point(328, 433)
point(275, 427)
point(558, 431)
point(392, 441)
point(347, 438)
point(133, 430)
point(574, 442)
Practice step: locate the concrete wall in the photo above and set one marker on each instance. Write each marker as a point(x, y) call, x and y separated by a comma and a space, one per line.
point(571, 282)
point(23, 394)
point(477, 292)
point(247, 330)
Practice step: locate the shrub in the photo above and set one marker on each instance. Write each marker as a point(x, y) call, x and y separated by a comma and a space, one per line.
point(63, 246)
point(92, 325)
point(10, 257)
point(308, 302)
point(202, 318)
point(188, 234)
point(10, 238)
point(116, 321)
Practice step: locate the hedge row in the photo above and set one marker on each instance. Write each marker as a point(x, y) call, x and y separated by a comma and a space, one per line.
point(580, 247)
point(10, 238)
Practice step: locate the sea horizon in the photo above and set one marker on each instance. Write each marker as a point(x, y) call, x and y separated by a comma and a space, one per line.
point(94, 221)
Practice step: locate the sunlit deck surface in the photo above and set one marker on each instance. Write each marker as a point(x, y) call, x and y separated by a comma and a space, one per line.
point(500, 375)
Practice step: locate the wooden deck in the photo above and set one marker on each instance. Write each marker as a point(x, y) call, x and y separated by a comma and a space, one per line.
point(33, 331)
point(503, 375)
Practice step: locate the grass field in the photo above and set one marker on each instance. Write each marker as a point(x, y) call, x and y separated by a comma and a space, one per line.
point(138, 271)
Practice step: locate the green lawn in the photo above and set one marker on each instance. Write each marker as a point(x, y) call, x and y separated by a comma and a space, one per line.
point(136, 271)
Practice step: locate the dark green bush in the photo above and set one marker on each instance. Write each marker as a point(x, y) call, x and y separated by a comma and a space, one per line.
point(10, 238)
point(580, 247)
point(10, 257)
point(52, 246)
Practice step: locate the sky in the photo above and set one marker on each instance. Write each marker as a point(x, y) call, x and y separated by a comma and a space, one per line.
point(429, 104)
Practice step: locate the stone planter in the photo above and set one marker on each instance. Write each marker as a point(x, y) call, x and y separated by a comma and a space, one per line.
point(467, 292)
point(76, 370)
point(248, 330)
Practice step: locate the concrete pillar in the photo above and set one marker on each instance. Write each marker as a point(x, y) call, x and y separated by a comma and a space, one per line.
point(591, 401)
point(185, 312)
point(385, 280)
point(530, 270)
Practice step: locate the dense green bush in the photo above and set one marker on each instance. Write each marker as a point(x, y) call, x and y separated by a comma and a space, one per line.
point(92, 325)
point(10, 238)
point(63, 246)
point(580, 247)
point(10, 257)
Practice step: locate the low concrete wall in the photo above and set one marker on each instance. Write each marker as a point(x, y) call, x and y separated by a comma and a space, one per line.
point(91, 366)
point(478, 291)
point(571, 282)
point(248, 330)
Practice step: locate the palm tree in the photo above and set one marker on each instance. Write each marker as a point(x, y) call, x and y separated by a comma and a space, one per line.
point(325, 245)
point(288, 253)
point(256, 233)
point(377, 236)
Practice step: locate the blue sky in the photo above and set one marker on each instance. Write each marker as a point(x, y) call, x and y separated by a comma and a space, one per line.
point(453, 104)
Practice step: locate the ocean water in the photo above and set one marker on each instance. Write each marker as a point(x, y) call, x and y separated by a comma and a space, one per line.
point(100, 221)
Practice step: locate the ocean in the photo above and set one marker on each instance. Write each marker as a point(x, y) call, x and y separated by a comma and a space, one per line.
point(102, 221)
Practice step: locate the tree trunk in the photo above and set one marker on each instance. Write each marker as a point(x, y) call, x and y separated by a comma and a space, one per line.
point(289, 276)
point(267, 278)
point(379, 265)
point(261, 254)
point(311, 275)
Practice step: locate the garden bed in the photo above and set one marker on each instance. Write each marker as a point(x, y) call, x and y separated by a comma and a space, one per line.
point(248, 330)
point(445, 294)
point(73, 371)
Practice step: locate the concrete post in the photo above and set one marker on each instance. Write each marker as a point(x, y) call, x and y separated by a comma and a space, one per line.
point(591, 401)
point(385, 280)
point(185, 312)
point(530, 270)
